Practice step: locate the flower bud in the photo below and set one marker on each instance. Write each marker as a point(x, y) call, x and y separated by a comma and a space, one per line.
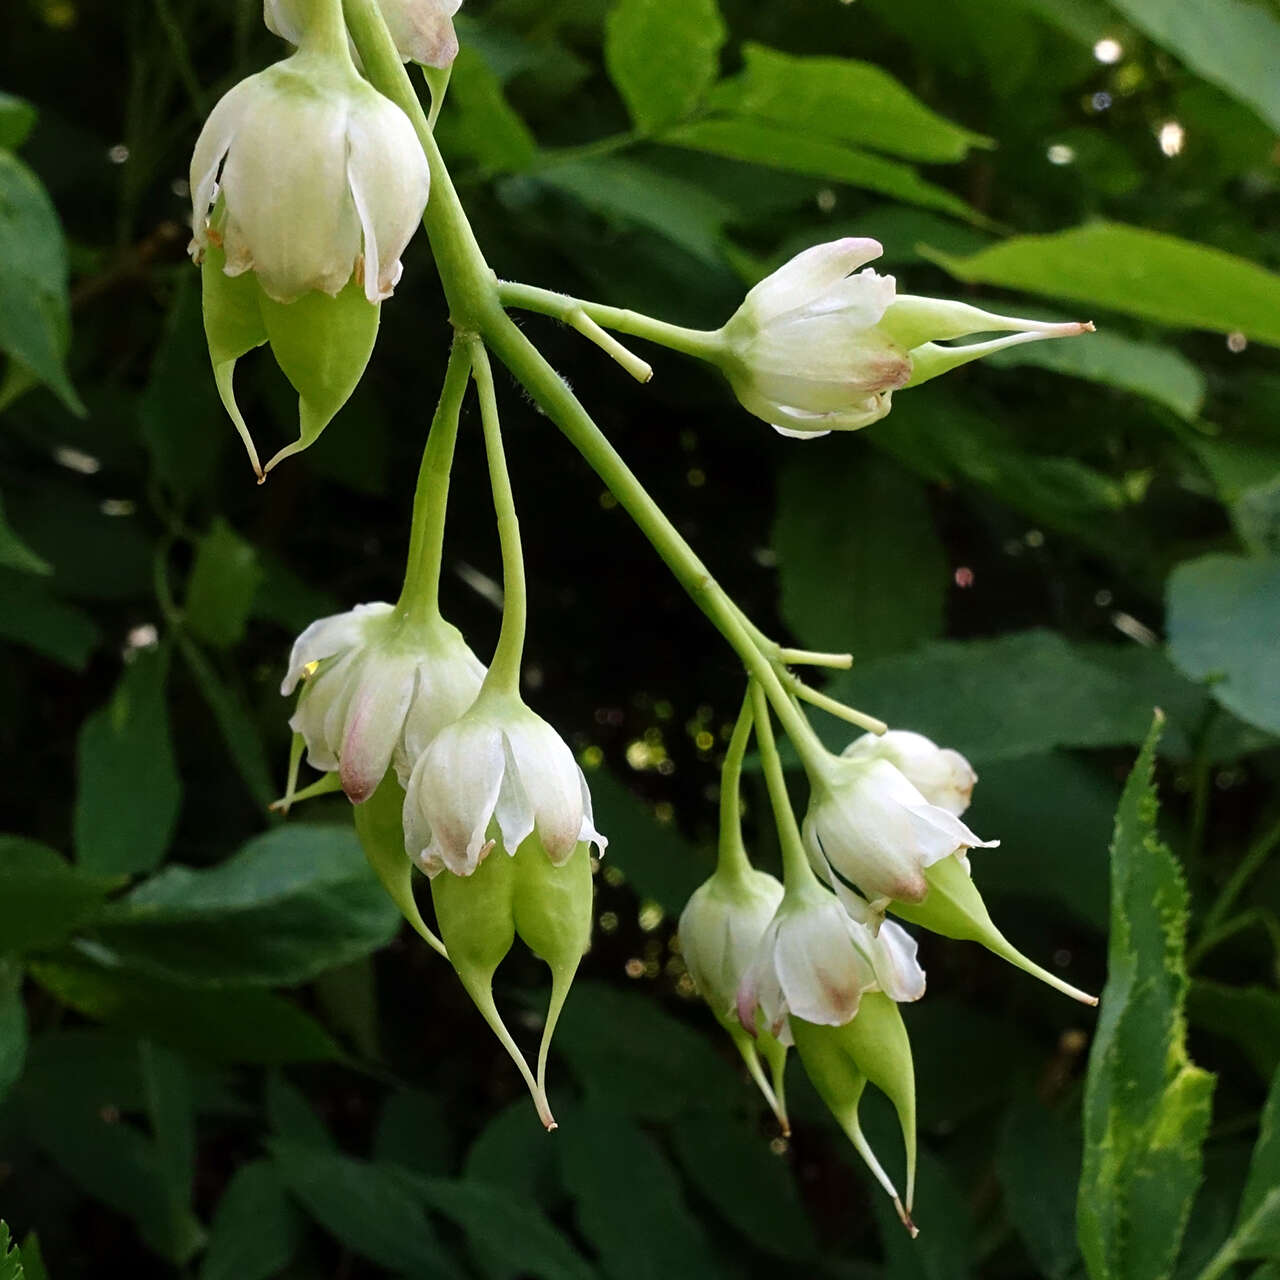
point(422, 29)
point(841, 1060)
point(954, 908)
point(498, 761)
point(378, 689)
point(942, 776)
point(308, 183)
point(816, 962)
point(868, 826)
point(814, 348)
point(720, 931)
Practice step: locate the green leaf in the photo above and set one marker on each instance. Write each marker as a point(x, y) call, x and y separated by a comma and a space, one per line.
point(480, 122)
point(1264, 1167)
point(17, 118)
point(752, 1188)
point(287, 906)
point(256, 1230)
point(1234, 44)
point(1249, 1017)
point(182, 419)
point(687, 215)
point(10, 1256)
point(1256, 516)
point(128, 795)
point(13, 1026)
point(291, 1116)
point(861, 566)
point(1147, 1107)
point(43, 898)
point(628, 1203)
point(15, 554)
point(624, 1050)
point(414, 1131)
point(1148, 369)
point(1220, 608)
point(374, 1210)
point(244, 743)
point(844, 100)
point(74, 1118)
point(663, 56)
point(34, 318)
point(1137, 272)
point(776, 147)
point(1017, 695)
point(1038, 1163)
point(32, 1258)
point(513, 1231)
point(658, 861)
point(232, 1025)
point(171, 1110)
point(32, 616)
point(224, 580)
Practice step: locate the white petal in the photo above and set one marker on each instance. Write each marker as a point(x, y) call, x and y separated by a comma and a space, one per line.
point(823, 974)
point(374, 722)
point(329, 636)
point(514, 812)
point(423, 30)
point(807, 276)
point(587, 833)
point(289, 209)
point(898, 972)
point(389, 180)
point(550, 778)
point(455, 789)
point(211, 148)
point(448, 680)
point(860, 300)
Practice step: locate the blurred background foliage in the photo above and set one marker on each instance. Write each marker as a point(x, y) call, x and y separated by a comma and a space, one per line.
point(219, 1053)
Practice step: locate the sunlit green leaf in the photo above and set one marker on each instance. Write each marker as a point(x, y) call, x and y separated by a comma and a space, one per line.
point(1135, 271)
point(663, 55)
point(778, 147)
point(845, 100)
point(1233, 43)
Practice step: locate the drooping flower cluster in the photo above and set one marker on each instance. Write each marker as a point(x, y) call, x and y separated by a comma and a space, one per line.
point(818, 967)
point(307, 184)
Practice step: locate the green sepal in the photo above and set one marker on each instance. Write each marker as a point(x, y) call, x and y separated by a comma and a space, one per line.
point(954, 908)
point(552, 909)
point(833, 1061)
point(322, 345)
point(758, 1051)
point(476, 916)
point(380, 828)
point(232, 327)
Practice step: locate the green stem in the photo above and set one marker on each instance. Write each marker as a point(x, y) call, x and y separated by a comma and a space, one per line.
point(475, 307)
point(504, 670)
point(420, 596)
point(1258, 853)
point(732, 859)
point(796, 872)
point(701, 343)
point(325, 32)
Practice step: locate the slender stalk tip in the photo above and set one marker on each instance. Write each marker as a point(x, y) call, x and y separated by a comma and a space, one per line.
point(905, 1218)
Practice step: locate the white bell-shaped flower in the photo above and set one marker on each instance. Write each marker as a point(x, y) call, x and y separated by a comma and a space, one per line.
point(815, 348)
point(422, 29)
point(815, 961)
point(499, 762)
point(306, 175)
point(378, 690)
point(944, 777)
point(720, 932)
point(868, 826)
